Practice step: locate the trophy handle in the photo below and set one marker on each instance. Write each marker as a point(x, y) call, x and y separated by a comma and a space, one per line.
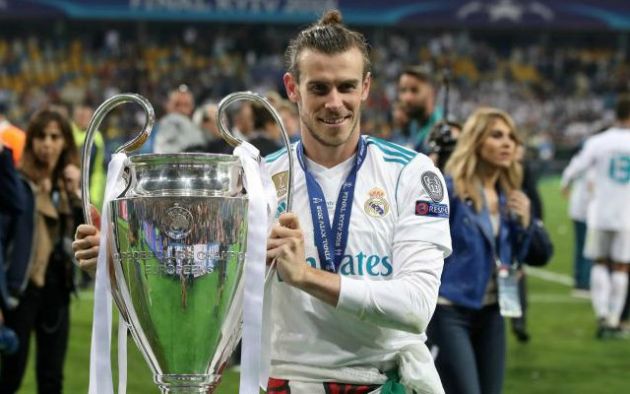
point(230, 139)
point(129, 146)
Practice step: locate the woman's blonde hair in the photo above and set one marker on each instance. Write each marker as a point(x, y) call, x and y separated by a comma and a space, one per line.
point(463, 165)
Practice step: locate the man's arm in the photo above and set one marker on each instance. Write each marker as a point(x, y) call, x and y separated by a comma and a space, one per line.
point(421, 241)
point(578, 165)
point(406, 302)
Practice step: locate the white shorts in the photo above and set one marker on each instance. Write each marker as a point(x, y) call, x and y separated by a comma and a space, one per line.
point(608, 244)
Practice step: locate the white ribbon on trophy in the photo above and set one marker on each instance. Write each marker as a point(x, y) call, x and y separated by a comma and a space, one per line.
point(100, 364)
point(262, 203)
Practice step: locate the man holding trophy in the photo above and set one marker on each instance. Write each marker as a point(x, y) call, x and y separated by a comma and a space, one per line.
point(360, 255)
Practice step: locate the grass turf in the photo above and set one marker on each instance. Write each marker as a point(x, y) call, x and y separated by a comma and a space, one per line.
point(563, 355)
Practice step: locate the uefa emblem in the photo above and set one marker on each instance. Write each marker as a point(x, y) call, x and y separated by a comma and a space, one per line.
point(376, 206)
point(281, 182)
point(432, 185)
point(178, 222)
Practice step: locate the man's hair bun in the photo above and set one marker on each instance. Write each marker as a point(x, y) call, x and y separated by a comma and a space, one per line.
point(331, 17)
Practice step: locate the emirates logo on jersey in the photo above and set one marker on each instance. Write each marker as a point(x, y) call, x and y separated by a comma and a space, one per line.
point(376, 205)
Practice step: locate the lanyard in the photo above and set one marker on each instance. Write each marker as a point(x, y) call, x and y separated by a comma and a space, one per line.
point(330, 256)
point(496, 245)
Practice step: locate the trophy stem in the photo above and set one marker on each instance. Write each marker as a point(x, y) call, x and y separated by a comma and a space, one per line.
point(187, 384)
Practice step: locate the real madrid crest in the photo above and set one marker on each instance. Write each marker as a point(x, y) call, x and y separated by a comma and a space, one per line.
point(376, 205)
point(177, 222)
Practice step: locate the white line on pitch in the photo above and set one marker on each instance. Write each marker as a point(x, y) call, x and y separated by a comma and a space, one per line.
point(549, 276)
point(554, 298)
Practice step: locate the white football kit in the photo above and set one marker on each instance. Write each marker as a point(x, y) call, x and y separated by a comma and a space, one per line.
point(607, 155)
point(390, 271)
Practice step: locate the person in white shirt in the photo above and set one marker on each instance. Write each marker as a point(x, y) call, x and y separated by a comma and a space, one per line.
point(578, 191)
point(176, 131)
point(360, 257)
point(608, 217)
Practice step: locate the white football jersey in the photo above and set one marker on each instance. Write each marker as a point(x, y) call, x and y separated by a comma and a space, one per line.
point(608, 156)
point(399, 217)
point(581, 187)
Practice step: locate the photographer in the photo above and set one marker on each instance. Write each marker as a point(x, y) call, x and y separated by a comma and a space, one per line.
point(40, 270)
point(441, 142)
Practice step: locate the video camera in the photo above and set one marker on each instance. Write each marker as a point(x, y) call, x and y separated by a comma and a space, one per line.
point(442, 140)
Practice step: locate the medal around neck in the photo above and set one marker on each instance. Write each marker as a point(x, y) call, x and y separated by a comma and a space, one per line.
point(177, 239)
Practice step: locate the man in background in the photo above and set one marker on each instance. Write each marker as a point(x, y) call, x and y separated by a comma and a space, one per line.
point(176, 131)
point(416, 96)
point(608, 217)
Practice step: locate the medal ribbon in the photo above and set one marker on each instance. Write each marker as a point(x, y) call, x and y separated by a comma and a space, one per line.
point(337, 234)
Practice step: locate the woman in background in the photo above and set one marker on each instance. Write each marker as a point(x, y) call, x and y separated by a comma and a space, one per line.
point(41, 276)
point(491, 230)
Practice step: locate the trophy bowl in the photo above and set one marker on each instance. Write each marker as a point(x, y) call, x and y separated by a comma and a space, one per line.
point(178, 245)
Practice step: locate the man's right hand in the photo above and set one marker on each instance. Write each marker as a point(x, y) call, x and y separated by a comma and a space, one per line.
point(86, 246)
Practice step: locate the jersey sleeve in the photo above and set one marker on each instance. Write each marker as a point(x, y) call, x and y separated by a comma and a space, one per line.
point(579, 164)
point(421, 241)
point(408, 300)
point(423, 205)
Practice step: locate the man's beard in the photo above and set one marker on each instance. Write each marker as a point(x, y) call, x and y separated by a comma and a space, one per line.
point(311, 128)
point(418, 113)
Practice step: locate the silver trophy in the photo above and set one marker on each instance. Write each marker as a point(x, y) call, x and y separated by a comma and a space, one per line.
point(178, 236)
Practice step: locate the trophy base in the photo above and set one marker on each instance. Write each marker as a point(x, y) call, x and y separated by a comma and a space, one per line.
point(187, 384)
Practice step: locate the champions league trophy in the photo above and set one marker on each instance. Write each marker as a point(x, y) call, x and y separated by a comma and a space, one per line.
point(177, 241)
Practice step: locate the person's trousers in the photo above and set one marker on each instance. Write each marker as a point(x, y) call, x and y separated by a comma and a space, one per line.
point(581, 265)
point(470, 348)
point(44, 311)
point(625, 314)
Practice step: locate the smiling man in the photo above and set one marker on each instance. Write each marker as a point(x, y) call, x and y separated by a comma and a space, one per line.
point(358, 265)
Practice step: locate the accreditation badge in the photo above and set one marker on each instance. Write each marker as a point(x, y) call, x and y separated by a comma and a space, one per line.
point(507, 283)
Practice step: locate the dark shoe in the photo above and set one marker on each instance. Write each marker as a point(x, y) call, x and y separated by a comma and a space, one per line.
point(521, 335)
point(617, 333)
point(602, 329)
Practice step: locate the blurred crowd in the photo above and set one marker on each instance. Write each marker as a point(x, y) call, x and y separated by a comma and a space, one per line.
point(556, 93)
point(50, 86)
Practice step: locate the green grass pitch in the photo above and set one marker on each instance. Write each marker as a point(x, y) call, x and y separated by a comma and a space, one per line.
point(562, 357)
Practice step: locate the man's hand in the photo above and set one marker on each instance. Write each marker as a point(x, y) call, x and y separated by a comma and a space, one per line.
point(86, 247)
point(286, 245)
